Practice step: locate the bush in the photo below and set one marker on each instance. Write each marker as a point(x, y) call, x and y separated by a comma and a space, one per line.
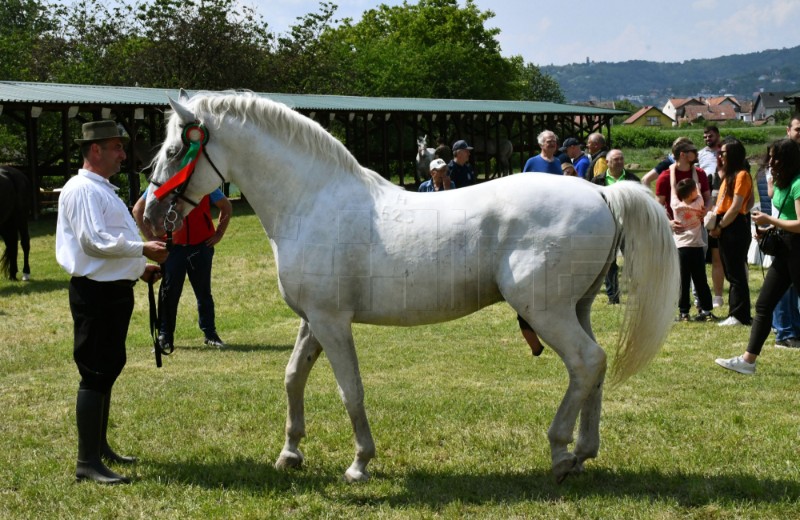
point(642, 137)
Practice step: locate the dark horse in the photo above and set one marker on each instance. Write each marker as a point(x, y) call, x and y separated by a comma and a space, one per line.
point(15, 203)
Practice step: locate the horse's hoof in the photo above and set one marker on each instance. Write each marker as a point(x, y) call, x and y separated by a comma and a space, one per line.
point(289, 460)
point(566, 467)
point(354, 475)
point(26, 277)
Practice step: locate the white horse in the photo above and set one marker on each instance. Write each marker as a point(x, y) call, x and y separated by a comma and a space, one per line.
point(424, 157)
point(352, 247)
point(501, 151)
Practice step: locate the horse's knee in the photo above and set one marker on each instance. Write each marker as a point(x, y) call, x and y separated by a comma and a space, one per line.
point(595, 362)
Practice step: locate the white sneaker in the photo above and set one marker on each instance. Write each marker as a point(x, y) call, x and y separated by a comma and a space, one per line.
point(729, 321)
point(737, 364)
point(717, 301)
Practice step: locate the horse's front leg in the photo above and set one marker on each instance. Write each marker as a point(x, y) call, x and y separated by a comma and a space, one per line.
point(306, 352)
point(336, 337)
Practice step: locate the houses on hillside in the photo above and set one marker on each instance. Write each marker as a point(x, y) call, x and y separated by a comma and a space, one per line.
point(716, 109)
point(767, 104)
point(649, 116)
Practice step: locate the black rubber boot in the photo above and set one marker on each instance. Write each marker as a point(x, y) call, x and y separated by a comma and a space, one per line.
point(105, 450)
point(89, 409)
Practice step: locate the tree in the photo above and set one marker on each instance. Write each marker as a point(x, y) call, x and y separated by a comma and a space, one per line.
point(27, 31)
point(310, 60)
point(202, 44)
point(626, 105)
point(534, 85)
point(432, 49)
point(205, 44)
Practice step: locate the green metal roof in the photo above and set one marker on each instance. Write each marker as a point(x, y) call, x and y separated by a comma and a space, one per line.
point(21, 92)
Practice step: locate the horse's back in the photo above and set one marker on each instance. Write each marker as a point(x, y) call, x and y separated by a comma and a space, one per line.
point(7, 196)
point(18, 186)
point(439, 256)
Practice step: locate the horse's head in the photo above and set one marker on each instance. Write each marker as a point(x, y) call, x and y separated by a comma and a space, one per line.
point(183, 171)
point(422, 145)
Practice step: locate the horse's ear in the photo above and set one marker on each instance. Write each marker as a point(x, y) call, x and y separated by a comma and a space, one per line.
point(184, 113)
point(183, 96)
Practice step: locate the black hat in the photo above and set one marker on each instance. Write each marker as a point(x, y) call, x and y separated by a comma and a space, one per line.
point(570, 141)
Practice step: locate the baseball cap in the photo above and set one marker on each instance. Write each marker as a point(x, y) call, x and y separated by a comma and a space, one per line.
point(461, 145)
point(437, 164)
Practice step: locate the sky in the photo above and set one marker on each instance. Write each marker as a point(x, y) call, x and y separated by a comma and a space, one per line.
point(607, 30)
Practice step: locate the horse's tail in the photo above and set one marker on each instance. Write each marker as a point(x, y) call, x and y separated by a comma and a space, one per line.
point(651, 273)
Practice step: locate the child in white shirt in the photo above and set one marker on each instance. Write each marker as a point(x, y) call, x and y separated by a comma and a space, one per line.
point(689, 209)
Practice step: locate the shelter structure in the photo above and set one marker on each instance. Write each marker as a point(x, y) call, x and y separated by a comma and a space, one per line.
point(380, 132)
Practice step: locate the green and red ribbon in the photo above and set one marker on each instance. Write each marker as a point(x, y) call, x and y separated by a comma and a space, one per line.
point(195, 141)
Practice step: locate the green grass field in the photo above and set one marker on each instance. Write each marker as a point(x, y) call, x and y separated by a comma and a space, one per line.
point(459, 412)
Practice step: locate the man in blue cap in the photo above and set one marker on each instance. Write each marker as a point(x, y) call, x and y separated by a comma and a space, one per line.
point(461, 172)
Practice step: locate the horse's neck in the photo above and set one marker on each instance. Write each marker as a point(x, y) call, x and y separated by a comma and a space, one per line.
point(287, 180)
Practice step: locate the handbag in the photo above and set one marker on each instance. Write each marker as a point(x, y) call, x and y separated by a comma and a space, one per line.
point(711, 220)
point(771, 241)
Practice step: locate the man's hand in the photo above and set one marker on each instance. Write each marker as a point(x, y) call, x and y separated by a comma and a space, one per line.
point(156, 251)
point(214, 239)
point(152, 273)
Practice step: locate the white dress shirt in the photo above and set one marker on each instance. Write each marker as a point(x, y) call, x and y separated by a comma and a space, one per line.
point(96, 236)
point(707, 160)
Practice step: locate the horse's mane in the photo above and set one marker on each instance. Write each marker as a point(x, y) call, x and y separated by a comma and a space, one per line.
point(280, 120)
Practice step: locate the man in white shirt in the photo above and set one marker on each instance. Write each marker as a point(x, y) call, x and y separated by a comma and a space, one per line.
point(707, 160)
point(98, 244)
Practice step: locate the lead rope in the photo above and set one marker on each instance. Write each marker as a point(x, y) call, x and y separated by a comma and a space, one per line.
point(155, 308)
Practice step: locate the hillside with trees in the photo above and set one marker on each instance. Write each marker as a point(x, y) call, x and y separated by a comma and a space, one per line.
point(649, 82)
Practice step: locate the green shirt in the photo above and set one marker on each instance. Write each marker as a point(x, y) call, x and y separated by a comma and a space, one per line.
point(787, 210)
point(611, 180)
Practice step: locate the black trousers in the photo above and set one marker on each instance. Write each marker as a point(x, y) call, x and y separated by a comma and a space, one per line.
point(693, 269)
point(734, 243)
point(101, 313)
point(783, 272)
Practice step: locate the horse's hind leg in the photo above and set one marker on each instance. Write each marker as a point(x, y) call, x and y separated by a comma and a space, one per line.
point(9, 258)
point(25, 242)
point(337, 339)
point(306, 352)
point(588, 442)
point(586, 364)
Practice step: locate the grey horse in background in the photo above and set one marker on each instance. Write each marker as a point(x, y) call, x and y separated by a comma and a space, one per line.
point(424, 157)
point(501, 150)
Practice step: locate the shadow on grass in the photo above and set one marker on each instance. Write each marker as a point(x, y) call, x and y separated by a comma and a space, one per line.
point(435, 490)
point(34, 286)
point(243, 473)
point(233, 347)
point(686, 489)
